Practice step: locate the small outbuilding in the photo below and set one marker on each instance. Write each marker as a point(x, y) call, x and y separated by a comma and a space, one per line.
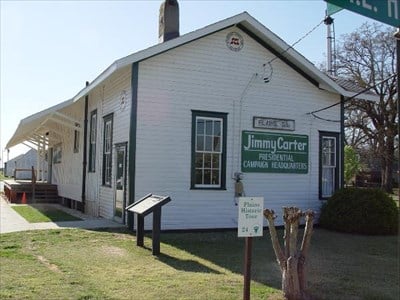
point(202, 117)
point(20, 167)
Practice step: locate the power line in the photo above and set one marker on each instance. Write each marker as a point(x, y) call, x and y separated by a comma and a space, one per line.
point(352, 97)
point(298, 41)
point(324, 119)
point(267, 75)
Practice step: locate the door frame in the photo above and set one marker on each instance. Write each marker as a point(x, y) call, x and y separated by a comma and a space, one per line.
point(118, 146)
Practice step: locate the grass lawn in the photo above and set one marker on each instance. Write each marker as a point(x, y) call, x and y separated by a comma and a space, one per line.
point(395, 196)
point(43, 214)
point(2, 176)
point(82, 264)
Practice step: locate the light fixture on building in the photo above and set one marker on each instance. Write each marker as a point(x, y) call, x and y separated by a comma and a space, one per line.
point(267, 72)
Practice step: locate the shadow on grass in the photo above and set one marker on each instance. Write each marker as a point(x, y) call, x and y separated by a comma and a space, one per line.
point(226, 250)
point(340, 266)
point(186, 265)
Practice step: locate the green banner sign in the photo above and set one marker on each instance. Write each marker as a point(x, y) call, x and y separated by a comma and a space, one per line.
point(267, 152)
point(385, 11)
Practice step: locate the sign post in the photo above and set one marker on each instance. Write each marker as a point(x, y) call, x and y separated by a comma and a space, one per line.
point(250, 224)
point(385, 11)
point(149, 204)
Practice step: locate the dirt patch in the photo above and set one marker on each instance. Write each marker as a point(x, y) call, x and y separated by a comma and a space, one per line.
point(49, 265)
point(113, 251)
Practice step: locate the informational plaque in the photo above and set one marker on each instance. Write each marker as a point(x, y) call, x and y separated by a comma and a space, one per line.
point(250, 219)
point(147, 204)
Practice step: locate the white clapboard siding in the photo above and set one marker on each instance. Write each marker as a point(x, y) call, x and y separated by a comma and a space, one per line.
point(106, 99)
point(205, 75)
point(68, 173)
point(93, 179)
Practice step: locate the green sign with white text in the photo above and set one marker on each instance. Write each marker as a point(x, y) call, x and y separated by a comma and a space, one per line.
point(385, 11)
point(268, 152)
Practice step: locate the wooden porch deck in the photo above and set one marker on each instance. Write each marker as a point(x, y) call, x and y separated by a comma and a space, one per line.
point(43, 192)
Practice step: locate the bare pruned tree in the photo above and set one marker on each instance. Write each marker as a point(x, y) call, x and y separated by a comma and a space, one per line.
point(367, 57)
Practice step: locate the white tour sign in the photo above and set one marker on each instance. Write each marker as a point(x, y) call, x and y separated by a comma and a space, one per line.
point(250, 220)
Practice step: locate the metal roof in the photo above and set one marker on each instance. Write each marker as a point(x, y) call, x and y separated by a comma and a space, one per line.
point(351, 86)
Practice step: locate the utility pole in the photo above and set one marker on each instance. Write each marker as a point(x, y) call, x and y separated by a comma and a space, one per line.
point(330, 46)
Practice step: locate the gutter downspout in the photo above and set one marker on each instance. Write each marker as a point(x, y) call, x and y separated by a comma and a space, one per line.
point(84, 161)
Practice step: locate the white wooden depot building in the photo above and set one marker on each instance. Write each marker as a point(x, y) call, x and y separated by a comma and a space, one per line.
point(201, 117)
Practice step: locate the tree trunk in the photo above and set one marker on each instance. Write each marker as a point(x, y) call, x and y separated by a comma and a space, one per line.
point(387, 171)
point(292, 261)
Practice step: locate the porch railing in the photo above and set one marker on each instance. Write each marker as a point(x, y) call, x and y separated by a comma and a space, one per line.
point(33, 179)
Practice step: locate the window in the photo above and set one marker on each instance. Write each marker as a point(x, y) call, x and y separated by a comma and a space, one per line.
point(57, 154)
point(329, 164)
point(208, 150)
point(92, 141)
point(107, 150)
point(76, 141)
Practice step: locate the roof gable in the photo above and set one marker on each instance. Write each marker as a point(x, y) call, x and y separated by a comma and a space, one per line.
point(252, 27)
point(243, 21)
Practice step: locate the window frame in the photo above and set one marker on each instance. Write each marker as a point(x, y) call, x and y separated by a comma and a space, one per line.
point(76, 140)
point(107, 151)
point(207, 115)
point(336, 163)
point(92, 141)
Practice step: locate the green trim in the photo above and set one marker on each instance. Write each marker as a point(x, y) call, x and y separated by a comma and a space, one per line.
point(84, 160)
point(335, 135)
point(92, 148)
point(132, 141)
point(49, 163)
point(76, 141)
point(125, 146)
point(278, 54)
point(182, 44)
point(224, 117)
point(109, 117)
point(343, 141)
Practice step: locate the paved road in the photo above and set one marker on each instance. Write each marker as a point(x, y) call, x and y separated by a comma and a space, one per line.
point(11, 221)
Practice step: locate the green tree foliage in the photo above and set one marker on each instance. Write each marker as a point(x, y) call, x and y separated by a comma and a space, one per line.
point(352, 164)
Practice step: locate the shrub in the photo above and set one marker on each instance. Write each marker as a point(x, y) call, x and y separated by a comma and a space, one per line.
point(364, 211)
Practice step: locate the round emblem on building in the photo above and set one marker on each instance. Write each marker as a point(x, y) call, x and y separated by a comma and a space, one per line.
point(123, 100)
point(234, 41)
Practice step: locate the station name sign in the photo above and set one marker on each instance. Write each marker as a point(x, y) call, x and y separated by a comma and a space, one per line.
point(267, 152)
point(273, 123)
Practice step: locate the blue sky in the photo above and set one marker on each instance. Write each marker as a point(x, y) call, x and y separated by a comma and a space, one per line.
point(49, 49)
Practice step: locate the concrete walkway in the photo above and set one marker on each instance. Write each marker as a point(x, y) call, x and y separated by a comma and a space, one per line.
point(11, 221)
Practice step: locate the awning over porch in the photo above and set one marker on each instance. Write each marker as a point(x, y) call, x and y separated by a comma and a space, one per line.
point(36, 128)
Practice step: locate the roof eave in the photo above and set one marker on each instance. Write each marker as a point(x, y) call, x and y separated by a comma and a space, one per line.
point(29, 124)
point(362, 96)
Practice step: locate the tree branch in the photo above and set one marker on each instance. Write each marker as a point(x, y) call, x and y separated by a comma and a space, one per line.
point(280, 257)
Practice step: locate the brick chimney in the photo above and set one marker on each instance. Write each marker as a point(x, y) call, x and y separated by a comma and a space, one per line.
point(168, 21)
